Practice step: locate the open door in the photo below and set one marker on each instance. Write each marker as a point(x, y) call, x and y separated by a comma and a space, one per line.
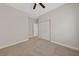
point(35, 26)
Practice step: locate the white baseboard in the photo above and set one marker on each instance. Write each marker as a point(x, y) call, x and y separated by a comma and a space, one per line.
point(74, 48)
point(5, 46)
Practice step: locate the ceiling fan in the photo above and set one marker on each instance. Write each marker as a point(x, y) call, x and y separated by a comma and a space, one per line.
point(41, 4)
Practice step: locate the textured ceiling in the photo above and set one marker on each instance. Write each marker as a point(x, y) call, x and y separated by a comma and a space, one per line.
point(28, 8)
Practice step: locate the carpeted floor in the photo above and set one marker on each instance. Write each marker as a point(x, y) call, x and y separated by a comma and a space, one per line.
point(37, 47)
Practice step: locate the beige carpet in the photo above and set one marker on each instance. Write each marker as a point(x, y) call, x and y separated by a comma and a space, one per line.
point(37, 47)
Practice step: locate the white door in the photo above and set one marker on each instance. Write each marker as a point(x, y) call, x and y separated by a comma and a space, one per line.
point(35, 29)
point(44, 29)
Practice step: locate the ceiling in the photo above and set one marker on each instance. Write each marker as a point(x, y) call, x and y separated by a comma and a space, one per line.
point(28, 8)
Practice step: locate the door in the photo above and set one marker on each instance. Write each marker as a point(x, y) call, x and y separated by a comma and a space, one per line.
point(35, 25)
point(44, 29)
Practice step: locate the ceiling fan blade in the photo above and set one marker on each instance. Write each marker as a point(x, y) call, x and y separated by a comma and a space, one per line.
point(42, 5)
point(34, 6)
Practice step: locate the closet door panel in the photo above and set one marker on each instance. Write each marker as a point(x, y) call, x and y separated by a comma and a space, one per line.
point(44, 30)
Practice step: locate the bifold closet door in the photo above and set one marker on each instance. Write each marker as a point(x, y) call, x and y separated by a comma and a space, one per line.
point(44, 29)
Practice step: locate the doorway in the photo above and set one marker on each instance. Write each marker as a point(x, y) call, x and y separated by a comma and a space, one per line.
point(35, 29)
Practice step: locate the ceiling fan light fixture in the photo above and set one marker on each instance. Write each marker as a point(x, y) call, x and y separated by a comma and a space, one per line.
point(41, 4)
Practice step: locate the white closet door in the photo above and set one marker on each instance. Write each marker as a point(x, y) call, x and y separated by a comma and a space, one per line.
point(44, 30)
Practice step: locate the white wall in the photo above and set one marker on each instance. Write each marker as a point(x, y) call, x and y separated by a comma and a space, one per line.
point(13, 25)
point(64, 25)
point(31, 21)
